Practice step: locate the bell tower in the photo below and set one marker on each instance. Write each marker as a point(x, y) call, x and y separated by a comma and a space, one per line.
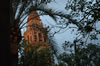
point(34, 31)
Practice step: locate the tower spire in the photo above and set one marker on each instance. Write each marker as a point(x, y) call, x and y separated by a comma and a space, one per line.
point(36, 37)
point(34, 34)
point(34, 19)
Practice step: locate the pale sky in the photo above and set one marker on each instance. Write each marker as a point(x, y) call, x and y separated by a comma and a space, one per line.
point(46, 20)
point(60, 37)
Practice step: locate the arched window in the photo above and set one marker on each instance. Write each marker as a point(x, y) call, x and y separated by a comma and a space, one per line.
point(40, 36)
point(35, 36)
point(28, 38)
point(44, 39)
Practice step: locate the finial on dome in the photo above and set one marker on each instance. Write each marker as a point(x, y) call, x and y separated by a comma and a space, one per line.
point(32, 15)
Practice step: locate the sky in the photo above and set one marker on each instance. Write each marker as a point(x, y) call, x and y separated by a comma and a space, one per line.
point(46, 20)
point(59, 37)
point(67, 35)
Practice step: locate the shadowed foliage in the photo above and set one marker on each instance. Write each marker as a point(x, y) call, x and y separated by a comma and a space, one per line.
point(35, 55)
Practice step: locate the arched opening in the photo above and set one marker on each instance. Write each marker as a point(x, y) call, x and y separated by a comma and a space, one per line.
point(35, 37)
point(40, 36)
point(27, 39)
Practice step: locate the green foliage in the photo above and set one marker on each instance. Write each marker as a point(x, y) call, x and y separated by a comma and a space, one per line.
point(88, 55)
point(20, 9)
point(86, 13)
point(34, 58)
point(37, 55)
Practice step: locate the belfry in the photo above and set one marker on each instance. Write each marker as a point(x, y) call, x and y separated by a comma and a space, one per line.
point(35, 34)
point(34, 30)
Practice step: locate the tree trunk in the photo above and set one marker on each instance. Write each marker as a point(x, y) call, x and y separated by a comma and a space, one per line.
point(15, 38)
point(77, 60)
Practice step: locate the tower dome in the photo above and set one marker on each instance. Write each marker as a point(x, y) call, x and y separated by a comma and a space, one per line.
point(34, 18)
point(34, 29)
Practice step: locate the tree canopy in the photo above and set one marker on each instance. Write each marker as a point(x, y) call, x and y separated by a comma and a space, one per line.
point(84, 14)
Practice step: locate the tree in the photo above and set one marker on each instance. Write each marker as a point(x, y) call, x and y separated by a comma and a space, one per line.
point(36, 55)
point(89, 55)
point(33, 54)
point(86, 14)
point(19, 10)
